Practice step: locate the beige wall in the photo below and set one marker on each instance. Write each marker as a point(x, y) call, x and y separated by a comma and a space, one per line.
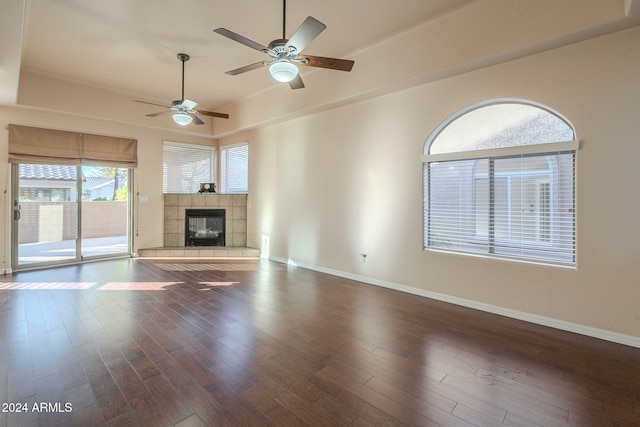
point(326, 187)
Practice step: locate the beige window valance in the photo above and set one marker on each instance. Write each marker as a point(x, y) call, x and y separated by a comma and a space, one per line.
point(37, 145)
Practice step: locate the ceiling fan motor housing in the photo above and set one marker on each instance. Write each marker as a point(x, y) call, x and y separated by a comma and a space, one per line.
point(278, 49)
point(278, 45)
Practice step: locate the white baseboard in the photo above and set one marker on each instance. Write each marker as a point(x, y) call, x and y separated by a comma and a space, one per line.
point(514, 314)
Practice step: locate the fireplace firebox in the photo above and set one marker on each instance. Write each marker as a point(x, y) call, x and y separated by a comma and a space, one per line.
point(204, 227)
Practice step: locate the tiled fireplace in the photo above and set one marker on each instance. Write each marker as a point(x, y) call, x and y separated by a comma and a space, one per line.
point(234, 205)
point(175, 224)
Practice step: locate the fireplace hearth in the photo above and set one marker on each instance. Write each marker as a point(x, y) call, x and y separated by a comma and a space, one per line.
point(204, 227)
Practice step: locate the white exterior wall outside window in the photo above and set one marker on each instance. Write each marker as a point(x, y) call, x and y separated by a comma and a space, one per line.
point(234, 169)
point(499, 180)
point(186, 166)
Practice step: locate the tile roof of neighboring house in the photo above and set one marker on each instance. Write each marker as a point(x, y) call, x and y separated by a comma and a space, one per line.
point(64, 173)
point(54, 172)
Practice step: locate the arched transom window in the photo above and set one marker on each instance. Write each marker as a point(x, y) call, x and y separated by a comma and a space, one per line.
point(499, 180)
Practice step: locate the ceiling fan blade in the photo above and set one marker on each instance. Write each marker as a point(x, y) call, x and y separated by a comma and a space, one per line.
point(212, 114)
point(196, 120)
point(188, 104)
point(306, 33)
point(331, 63)
point(161, 113)
point(296, 83)
point(245, 68)
point(151, 103)
point(240, 39)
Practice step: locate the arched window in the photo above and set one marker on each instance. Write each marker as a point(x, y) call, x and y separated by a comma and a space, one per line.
point(499, 180)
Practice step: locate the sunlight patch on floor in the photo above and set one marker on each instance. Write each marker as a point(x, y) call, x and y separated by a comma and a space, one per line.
point(218, 284)
point(208, 267)
point(136, 286)
point(47, 285)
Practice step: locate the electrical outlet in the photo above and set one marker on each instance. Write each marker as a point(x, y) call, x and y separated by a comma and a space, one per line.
point(363, 257)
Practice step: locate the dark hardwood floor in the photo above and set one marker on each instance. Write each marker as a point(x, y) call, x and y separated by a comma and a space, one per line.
point(254, 343)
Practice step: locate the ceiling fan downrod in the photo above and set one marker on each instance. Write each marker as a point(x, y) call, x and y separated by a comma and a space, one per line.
point(284, 18)
point(183, 57)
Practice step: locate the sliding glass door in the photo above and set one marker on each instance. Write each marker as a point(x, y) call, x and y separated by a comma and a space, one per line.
point(105, 211)
point(45, 214)
point(66, 214)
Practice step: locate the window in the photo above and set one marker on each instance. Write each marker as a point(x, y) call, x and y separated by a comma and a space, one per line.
point(234, 169)
point(186, 166)
point(499, 180)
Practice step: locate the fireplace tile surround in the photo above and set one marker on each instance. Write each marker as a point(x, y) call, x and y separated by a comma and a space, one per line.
point(235, 206)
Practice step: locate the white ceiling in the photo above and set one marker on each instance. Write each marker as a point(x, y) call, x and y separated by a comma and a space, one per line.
point(130, 46)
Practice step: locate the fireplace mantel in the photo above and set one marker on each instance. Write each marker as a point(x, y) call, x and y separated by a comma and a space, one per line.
point(235, 206)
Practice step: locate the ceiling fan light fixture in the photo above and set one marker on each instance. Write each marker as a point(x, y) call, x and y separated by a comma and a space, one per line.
point(283, 71)
point(183, 119)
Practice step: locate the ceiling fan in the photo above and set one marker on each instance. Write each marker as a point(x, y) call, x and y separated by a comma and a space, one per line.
point(286, 53)
point(183, 110)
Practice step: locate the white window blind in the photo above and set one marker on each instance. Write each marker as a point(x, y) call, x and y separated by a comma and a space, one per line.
point(186, 166)
point(515, 207)
point(499, 180)
point(234, 169)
